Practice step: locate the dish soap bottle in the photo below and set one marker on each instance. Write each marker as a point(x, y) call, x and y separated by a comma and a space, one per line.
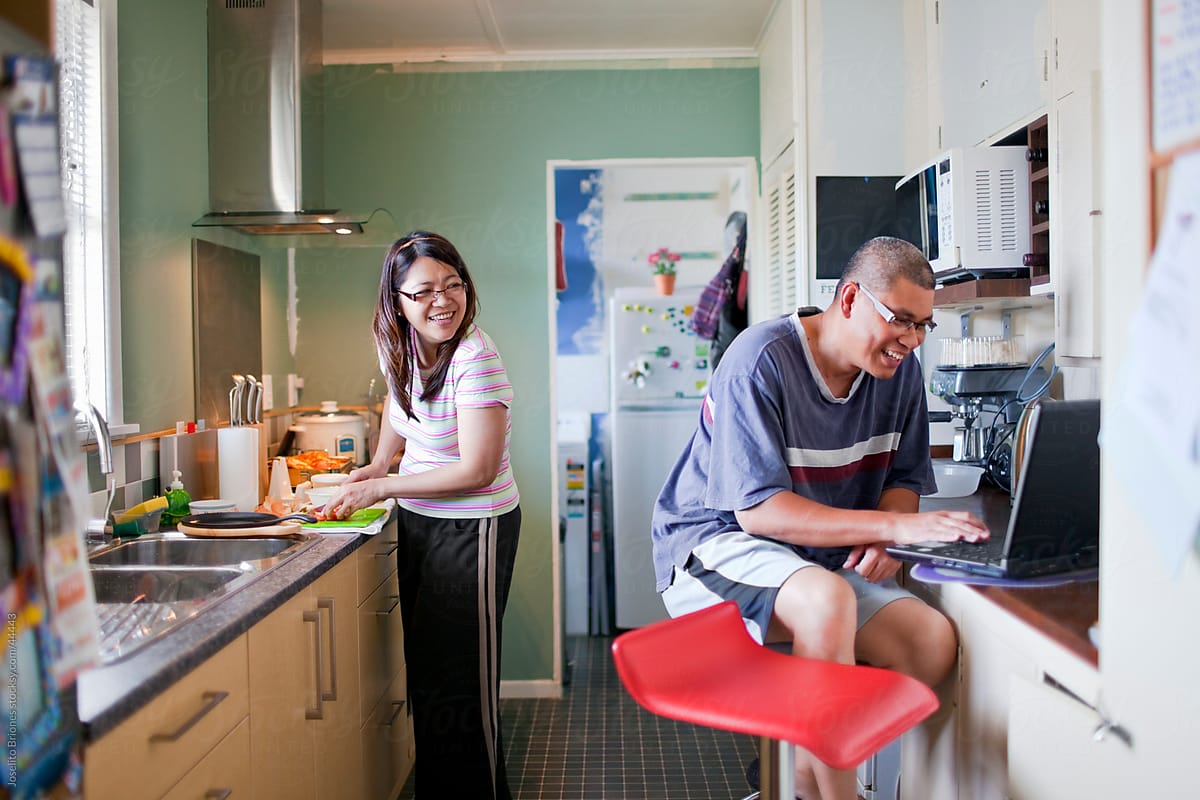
point(178, 501)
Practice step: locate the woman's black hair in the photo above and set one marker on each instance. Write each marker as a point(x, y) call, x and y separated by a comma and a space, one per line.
point(393, 332)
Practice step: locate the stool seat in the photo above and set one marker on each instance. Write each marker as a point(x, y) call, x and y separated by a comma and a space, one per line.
point(705, 668)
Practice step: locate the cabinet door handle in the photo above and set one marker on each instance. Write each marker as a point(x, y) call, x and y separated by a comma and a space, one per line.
point(218, 794)
point(1107, 726)
point(398, 705)
point(394, 547)
point(318, 712)
point(395, 598)
point(211, 701)
point(328, 604)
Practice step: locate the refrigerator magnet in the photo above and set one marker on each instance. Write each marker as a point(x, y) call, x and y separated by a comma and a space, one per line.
point(16, 296)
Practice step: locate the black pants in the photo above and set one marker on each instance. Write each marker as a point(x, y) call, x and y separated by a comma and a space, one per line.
point(454, 581)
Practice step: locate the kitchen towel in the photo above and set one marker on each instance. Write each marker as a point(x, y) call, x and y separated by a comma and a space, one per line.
point(238, 466)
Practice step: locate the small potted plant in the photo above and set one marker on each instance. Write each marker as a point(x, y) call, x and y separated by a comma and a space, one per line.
point(662, 262)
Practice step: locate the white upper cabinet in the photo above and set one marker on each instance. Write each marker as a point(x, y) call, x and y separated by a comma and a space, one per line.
point(1075, 182)
point(994, 65)
point(777, 84)
point(1075, 45)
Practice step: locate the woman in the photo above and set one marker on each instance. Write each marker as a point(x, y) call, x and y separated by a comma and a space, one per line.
point(449, 409)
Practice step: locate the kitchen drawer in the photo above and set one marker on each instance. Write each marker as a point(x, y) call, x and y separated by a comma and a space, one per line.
point(173, 733)
point(224, 772)
point(387, 742)
point(380, 643)
point(376, 559)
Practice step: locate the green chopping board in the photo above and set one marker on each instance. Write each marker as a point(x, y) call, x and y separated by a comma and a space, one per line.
point(359, 519)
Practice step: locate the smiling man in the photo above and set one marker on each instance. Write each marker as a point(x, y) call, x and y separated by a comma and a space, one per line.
point(810, 456)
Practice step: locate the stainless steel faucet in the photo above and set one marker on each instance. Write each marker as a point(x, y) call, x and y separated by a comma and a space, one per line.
point(98, 531)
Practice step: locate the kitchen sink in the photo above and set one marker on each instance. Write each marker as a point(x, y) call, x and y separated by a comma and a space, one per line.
point(173, 549)
point(147, 586)
point(165, 584)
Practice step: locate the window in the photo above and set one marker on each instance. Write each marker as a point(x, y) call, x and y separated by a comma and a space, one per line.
point(86, 48)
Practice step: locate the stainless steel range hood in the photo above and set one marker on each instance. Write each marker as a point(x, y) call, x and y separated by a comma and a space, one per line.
point(266, 110)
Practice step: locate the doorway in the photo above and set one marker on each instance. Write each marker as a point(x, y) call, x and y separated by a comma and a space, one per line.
point(606, 218)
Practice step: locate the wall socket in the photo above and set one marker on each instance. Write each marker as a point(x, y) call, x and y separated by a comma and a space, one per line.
point(294, 384)
point(268, 393)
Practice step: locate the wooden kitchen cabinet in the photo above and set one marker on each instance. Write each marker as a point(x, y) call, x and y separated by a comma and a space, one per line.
point(151, 751)
point(282, 689)
point(304, 693)
point(385, 719)
point(224, 772)
point(388, 746)
point(310, 703)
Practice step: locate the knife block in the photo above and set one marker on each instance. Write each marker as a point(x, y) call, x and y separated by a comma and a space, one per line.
point(238, 465)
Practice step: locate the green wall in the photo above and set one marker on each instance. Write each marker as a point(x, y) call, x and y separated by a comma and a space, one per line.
point(465, 154)
point(460, 153)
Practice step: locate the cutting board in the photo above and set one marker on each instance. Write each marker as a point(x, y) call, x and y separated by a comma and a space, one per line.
point(359, 519)
point(287, 529)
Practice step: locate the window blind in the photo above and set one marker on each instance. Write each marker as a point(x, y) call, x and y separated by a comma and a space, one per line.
point(78, 47)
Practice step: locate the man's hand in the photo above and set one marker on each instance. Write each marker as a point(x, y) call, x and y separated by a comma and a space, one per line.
point(938, 526)
point(872, 562)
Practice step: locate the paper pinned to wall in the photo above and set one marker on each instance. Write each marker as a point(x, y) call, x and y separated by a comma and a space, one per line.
point(1174, 73)
point(1154, 432)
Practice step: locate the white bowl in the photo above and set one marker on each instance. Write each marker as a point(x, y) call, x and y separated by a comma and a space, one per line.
point(211, 506)
point(955, 480)
point(328, 478)
point(320, 495)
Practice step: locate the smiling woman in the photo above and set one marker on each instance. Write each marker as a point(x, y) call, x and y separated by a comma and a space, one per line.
point(449, 409)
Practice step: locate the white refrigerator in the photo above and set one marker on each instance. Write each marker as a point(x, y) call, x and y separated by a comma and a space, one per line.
point(660, 372)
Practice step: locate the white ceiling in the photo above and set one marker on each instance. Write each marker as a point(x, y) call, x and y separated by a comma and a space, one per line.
point(397, 31)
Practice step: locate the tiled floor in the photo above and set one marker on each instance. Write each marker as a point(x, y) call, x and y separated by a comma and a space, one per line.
point(597, 743)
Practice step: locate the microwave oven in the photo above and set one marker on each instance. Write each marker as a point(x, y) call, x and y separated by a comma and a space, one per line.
point(973, 209)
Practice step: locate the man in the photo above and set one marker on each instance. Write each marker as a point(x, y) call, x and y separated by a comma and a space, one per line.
point(810, 456)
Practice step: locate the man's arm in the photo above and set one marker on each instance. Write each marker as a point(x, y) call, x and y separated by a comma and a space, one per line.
point(872, 560)
point(903, 501)
point(788, 517)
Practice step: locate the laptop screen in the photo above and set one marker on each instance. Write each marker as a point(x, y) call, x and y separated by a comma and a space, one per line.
point(1055, 518)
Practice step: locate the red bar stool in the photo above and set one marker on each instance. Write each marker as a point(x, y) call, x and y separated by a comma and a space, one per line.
point(705, 668)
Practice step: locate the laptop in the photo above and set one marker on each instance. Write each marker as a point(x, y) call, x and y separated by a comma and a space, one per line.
point(1054, 527)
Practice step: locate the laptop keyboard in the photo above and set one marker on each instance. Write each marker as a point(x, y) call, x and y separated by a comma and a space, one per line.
point(991, 550)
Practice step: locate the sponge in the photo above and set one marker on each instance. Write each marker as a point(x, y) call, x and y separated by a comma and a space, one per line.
point(141, 509)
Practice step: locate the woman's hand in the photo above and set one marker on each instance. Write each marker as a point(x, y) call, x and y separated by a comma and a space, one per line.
point(872, 562)
point(356, 493)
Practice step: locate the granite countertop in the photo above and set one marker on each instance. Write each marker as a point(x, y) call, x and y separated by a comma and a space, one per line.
point(1064, 613)
point(109, 694)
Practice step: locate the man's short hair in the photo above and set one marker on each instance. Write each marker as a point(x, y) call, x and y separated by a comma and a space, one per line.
point(881, 261)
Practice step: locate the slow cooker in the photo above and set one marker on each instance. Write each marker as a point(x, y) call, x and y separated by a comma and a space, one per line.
point(339, 433)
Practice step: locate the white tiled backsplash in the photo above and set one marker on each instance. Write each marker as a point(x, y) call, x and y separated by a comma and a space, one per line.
point(136, 469)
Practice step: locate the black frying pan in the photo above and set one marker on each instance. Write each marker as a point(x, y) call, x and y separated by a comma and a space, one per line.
point(239, 519)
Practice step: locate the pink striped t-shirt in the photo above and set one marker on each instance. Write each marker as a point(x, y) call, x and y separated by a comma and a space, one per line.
point(476, 379)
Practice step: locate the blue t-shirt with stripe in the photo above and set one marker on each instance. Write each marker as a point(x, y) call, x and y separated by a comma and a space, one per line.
point(770, 424)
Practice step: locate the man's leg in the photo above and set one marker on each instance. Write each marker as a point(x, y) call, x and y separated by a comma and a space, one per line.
point(816, 610)
point(911, 637)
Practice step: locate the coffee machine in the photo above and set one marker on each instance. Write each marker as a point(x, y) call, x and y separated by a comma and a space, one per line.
point(989, 402)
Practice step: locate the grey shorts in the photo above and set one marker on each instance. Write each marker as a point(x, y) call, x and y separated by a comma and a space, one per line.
point(749, 570)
